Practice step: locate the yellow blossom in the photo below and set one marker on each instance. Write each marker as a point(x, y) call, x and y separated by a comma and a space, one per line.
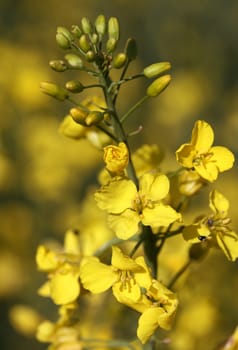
point(200, 155)
point(63, 284)
point(127, 206)
point(215, 227)
point(116, 158)
point(160, 312)
point(125, 275)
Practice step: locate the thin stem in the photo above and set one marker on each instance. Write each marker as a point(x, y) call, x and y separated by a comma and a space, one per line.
point(179, 273)
point(140, 241)
point(120, 82)
point(133, 108)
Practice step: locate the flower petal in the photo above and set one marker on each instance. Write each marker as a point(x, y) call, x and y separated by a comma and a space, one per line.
point(223, 157)
point(96, 276)
point(128, 292)
point(154, 186)
point(117, 196)
point(218, 203)
point(202, 136)
point(148, 322)
point(207, 170)
point(229, 244)
point(185, 155)
point(122, 261)
point(64, 287)
point(124, 225)
point(160, 215)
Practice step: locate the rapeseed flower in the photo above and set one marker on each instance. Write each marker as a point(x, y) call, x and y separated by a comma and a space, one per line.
point(125, 275)
point(215, 227)
point(127, 207)
point(199, 154)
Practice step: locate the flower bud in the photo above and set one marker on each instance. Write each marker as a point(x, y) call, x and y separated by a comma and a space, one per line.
point(64, 38)
point(86, 25)
point(94, 38)
point(84, 43)
point(119, 60)
point(198, 250)
point(71, 129)
point(158, 86)
point(94, 118)
point(113, 28)
point(131, 49)
point(74, 61)
point(111, 45)
point(101, 25)
point(54, 90)
point(74, 86)
point(76, 30)
point(58, 65)
point(156, 69)
point(78, 115)
point(90, 56)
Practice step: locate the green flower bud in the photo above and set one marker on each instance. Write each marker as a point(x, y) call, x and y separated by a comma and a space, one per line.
point(111, 45)
point(90, 56)
point(64, 38)
point(74, 61)
point(79, 115)
point(54, 90)
point(101, 25)
point(94, 118)
point(58, 65)
point(158, 86)
point(113, 28)
point(76, 30)
point(131, 49)
point(198, 250)
point(156, 69)
point(84, 43)
point(74, 86)
point(119, 60)
point(94, 38)
point(86, 25)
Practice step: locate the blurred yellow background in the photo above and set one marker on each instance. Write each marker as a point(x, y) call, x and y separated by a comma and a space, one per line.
point(44, 176)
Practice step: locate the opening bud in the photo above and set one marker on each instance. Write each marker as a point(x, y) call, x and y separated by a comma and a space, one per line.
point(94, 118)
point(76, 30)
point(58, 65)
point(113, 28)
point(101, 25)
point(156, 69)
point(131, 49)
point(64, 38)
point(79, 115)
point(74, 61)
point(84, 43)
point(54, 90)
point(158, 86)
point(119, 60)
point(74, 86)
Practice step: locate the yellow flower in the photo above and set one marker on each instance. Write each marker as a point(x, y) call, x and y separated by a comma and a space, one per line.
point(127, 206)
point(160, 312)
point(215, 227)
point(199, 154)
point(116, 158)
point(63, 284)
point(125, 275)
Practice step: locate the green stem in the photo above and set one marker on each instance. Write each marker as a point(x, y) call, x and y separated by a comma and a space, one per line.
point(150, 249)
point(133, 108)
point(179, 273)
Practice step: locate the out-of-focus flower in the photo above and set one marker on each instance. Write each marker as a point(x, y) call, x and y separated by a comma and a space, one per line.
point(199, 154)
point(127, 206)
point(215, 227)
point(63, 285)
